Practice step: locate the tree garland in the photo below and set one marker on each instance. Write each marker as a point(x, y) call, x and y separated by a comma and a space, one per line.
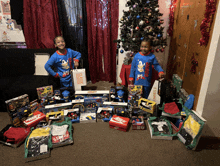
point(171, 17)
point(210, 10)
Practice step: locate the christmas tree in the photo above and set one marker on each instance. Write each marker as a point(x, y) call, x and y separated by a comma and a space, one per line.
point(141, 21)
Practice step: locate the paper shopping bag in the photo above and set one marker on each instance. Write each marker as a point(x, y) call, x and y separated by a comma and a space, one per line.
point(154, 93)
point(78, 78)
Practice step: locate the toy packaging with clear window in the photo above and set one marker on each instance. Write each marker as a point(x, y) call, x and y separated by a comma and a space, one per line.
point(104, 94)
point(147, 105)
point(118, 94)
point(104, 114)
point(55, 116)
point(138, 123)
point(46, 91)
point(57, 107)
point(73, 114)
point(18, 109)
point(135, 93)
point(118, 108)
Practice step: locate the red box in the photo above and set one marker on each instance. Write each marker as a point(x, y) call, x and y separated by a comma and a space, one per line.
point(32, 121)
point(138, 125)
point(119, 123)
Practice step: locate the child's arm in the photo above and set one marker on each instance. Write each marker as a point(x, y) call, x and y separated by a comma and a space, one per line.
point(76, 58)
point(132, 71)
point(48, 68)
point(158, 67)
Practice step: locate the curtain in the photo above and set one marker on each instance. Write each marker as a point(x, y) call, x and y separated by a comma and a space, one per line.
point(102, 29)
point(41, 23)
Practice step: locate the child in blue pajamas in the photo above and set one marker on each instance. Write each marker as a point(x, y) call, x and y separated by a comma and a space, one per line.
point(141, 68)
point(64, 59)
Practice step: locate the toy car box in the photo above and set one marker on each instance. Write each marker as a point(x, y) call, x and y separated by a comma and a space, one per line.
point(34, 119)
point(119, 123)
point(92, 104)
point(55, 116)
point(134, 94)
point(104, 114)
point(13, 136)
point(118, 108)
point(138, 123)
point(79, 103)
point(73, 114)
point(139, 113)
point(118, 94)
point(18, 109)
point(87, 117)
point(57, 107)
point(104, 94)
point(46, 91)
point(147, 105)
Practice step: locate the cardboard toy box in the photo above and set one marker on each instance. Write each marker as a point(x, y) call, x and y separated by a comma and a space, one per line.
point(135, 93)
point(118, 108)
point(104, 94)
point(79, 103)
point(55, 116)
point(138, 123)
point(73, 114)
point(118, 94)
point(18, 109)
point(34, 119)
point(119, 123)
point(87, 117)
point(139, 113)
point(46, 91)
point(23, 133)
point(92, 104)
point(57, 107)
point(104, 114)
point(147, 105)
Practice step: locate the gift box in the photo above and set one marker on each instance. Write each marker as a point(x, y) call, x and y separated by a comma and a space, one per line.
point(104, 94)
point(119, 123)
point(73, 114)
point(34, 119)
point(46, 91)
point(13, 136)
point(57, 107)
point(138, 123)
point(18, 109)
point(55, 116)
point(147, 105)
point(104, 114)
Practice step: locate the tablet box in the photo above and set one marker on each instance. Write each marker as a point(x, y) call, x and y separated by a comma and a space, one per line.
point(119, 123)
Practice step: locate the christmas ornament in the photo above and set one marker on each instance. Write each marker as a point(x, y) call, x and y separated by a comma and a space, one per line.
point(147, 22)
point(134, 6)
point(121, 51)
point(142, 38)
point(159, 35)
point(133, 39)
point(129, 17)
point(157, 50)
point(148, 2)
point(122, 19)
point(149, 14)
point(141, 22)
point(164, 46)
point(122, 39)
point(137, 28)
point(156, 9)
point(138, 17)
point(118, 46)
point(162, 50)
point(152, 51)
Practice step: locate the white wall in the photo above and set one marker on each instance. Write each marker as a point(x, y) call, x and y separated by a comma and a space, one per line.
point(209, 99)
point(161, 57)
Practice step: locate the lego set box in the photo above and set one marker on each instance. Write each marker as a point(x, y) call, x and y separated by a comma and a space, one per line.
point(104, 94)
point(18, 109)
point(118, 94)
point(119, 123)
point(73, 114)
point(135, 93)
point(118, 108)
point(104, 114)
point(46, 91)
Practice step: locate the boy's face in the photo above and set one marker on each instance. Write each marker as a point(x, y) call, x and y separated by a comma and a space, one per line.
point(60, 43)
point(145, 47)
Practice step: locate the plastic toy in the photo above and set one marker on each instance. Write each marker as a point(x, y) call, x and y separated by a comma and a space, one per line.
point(120, 94)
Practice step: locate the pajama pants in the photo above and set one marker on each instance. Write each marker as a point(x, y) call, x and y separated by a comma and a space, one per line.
point(146, 91)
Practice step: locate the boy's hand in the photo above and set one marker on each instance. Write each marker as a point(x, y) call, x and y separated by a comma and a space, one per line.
point(161, 75)
point(131, 82)
point(76, 63)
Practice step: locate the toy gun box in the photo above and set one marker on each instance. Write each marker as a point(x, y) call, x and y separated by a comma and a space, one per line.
point(104, 94)
point(119, 108)
point(46, 91)
point(116, 91)
point(147, 105)
point(104, 114)
point(34, 119)
point(55, 116)
point(18, 109)
point(135, 93)
point(57, 107)
point(177, 81)
point(119, 123)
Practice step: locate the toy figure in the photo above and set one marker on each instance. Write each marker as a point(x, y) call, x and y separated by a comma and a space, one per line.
point(120, 94)
point(66, 96)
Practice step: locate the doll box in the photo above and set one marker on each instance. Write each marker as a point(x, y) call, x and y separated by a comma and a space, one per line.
point(57, 107)
point(104, 114)
point(104, 94)
point(34, 119)
point(119, 123)
point(46, 91)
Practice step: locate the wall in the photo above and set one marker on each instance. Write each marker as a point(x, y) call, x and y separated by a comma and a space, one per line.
point(162, 57)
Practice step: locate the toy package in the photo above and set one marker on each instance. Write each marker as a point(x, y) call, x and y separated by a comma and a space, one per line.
point(135, 93)
point(73, 114)
point(55, 116)
point(104, 114)
point(61, 133)
point(57, 107)
point(138, 123)
point(34, 105)
point(38, 144)
point(118, 108)
point(18, 109)
point(13, 136)
point(46, 91)
point(160, 128)
point(119, 123)
point(139, 113)
point(34, 119)
point(104, 94)
point(118, 94)
point(147, 105)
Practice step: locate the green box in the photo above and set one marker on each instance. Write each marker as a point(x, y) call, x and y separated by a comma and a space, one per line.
point(177, 81)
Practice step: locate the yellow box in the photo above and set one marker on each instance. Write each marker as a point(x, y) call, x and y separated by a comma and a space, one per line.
point(147, 105)
point(55, 116)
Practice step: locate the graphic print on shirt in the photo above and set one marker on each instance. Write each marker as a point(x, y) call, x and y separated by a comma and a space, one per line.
point(140, 76)
point(65, 67)
point(147, 69)
point(140, 66)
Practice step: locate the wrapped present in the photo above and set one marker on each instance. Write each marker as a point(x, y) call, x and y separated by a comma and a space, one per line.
point(119, 123)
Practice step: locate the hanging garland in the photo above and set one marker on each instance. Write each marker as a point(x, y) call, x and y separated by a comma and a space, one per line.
point(210, 11)
point(171, 17)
